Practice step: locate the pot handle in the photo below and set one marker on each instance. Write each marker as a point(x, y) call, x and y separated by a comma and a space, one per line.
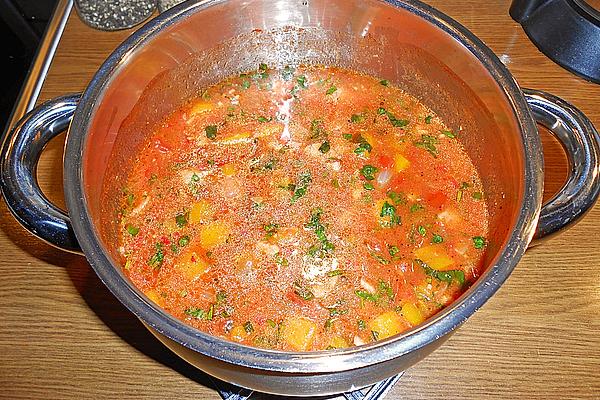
point(581, 143)
point(21, 152)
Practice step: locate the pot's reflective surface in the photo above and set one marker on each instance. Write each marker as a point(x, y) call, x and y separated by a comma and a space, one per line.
point(195, 44)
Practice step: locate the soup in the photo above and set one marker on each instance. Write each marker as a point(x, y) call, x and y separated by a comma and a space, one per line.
point(303, 209)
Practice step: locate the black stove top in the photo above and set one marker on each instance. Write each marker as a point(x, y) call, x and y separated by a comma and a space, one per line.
point(375, 392)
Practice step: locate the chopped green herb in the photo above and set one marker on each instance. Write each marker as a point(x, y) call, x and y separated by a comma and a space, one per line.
point(316, 129)
point(393, 250)
point(335, 272)
point(477, 195)
point(363, 145)
point(246, 84)
point(302, 81)
point(355, 118)
point(449, 134)
point(368, 172)
point(397, 198)
point(181, 219)
point(331, 90)
point(361, 324)
point(281, 260)
point(211, 132)
point(365, 295)
point(183, 241)
point(368, 186)
point(445, 276)
point(384, 82)
point(416, 207)
point(422, 231)
point(264, 119)
point(436, 239)
point(200, 313)
point(325, 147)
point(288, 73)
point(132, 230)
point(389, 211)
point(382, 260)
point(315, 224)
point(479, 242)
point(195, 178)
point(428, 143)
point(347, 136)
point(270, 229)
point(392, 118)
point(428, 119)
point(221, 296)
point(272, 323)
point(158, 257)
point(303, 292)
point(248, 327)
point(130, 198)
point(301, 186)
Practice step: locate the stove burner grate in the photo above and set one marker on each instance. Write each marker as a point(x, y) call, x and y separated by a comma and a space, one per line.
point(228, 391)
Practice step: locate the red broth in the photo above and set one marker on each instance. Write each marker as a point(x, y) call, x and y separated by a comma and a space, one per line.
point(303, 209)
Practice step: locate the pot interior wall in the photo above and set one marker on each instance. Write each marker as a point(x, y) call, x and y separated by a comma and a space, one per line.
point(206, 44)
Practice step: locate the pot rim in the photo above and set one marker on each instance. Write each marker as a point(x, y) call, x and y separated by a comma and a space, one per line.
point(438, 326)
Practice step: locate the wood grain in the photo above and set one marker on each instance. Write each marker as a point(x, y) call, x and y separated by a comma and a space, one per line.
point(63, 335)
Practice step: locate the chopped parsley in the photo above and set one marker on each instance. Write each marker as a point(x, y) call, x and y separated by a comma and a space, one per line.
point(331, 90)
point(300, 188)
point(368, 172)
point(428, 143)
point(325, 147)
point(211, 132)
point(479, 242)
point(132, 230)
point(445, 276)
point(389, 216)
point(158, 257)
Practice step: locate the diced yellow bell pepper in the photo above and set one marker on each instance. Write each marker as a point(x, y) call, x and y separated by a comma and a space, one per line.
point(228, 169)
point(412, 314)
point(238, 333)
point(241, 137)
point(200, 107)
point(200, 211)
point(435, 256)
point(155, 297)
point(338, 342)
point(214, 234)
point(192, 264)
point(299, 333)
point(400, 163)
point(387, 324)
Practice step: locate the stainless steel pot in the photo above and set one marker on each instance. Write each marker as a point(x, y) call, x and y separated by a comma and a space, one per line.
point(197, 43)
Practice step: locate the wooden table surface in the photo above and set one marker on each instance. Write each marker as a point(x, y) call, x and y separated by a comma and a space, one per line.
point(63, 335)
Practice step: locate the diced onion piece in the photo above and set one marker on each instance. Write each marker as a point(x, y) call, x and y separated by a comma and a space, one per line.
point(383, 177)
point(367, 286)
point(387, 324)
point(299, 333)
point(267, 248)
point(231, 187)
point(358, 341)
